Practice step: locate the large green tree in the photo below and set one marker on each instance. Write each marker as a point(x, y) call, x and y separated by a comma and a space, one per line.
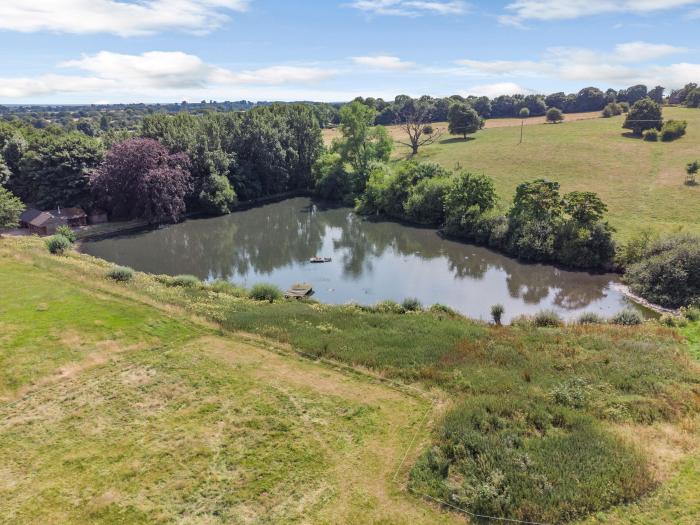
point(644, 114)
point(463, 120)
point(55, 171)
point(361, 143)
point(10, 209)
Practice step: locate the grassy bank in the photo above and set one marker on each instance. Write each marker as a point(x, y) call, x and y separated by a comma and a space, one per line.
point(642, 183)
point(551, 424)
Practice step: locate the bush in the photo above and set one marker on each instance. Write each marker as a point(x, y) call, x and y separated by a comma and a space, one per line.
point(186, 281)
point(691, 313)
point(412, 304)
point(590, 318)
point(388, 307)
point(668, 273)
point(547, 318)
point(497, 311)
point(229, 288)
point(67, 232)
point(121, 274)
point(673, 321)
point(625, 106)
point(441, 309)
point(673, 129)
point(58, 244)
point(650, 135)
point(265, 292)
point(612, 110)
point(627, 317)
point(554, 115)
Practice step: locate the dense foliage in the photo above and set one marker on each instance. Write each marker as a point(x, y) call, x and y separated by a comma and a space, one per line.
point(645, 114)
point(668, 271)
point(10, 209)
point(541, 225)
point(141, 179)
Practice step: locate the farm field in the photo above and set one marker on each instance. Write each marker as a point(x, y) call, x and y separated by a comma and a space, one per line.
point(642, 183)
point(147, 402)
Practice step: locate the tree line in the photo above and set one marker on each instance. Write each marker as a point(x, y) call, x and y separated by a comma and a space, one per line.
point(172, 165)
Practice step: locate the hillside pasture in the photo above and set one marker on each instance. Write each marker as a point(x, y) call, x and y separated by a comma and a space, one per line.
point(642, 183)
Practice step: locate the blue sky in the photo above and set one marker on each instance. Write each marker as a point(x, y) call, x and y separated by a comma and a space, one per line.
point(90, 51)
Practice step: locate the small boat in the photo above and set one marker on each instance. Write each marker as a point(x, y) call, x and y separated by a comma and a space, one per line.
point(318, 260)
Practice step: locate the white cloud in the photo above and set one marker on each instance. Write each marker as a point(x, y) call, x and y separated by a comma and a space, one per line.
point(628, 63)
point(497, 89)
point(410, 8)
point(548, 10)
point(116, 16)
point(385, 62)
point(154, 70)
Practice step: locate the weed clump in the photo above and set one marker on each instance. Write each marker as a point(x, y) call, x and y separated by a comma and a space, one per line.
point(121, 274)
point(265, 292)
point(627, 318)
point(590, 318)
point(412, 304)
point(186, 281)
point(547, 319)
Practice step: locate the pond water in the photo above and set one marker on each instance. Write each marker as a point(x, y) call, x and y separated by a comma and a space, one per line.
point(371, 261)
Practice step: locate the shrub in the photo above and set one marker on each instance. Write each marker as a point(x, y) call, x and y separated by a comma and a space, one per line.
point(389, 307)
point(612, 110)
point(497, 311)
point(121, 274)
point(265, 292)
point(668, 273)
point(572, 393)
point(186, 281)
point(554, 115)
point(625, 106)
point(412, 304)
point(67, 232)
point(590, 318)
point(673, 129)
point(650, 135)
point(627, 317)
point(547, 318)
point(691, 313)
point(441, 309)
point(226, 287)
point(692, 171)
point(58, 244)
point(673, 321)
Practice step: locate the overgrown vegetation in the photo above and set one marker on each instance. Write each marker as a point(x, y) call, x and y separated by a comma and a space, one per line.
point(549, 436)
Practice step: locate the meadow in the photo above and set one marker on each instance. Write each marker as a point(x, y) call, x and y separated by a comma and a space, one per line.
point(641, 182)
point(160, 400)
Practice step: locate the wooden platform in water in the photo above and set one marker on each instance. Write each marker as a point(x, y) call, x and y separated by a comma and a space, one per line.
point(299, 291)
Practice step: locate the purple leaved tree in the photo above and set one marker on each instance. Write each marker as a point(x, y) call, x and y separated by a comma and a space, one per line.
point(140, 178)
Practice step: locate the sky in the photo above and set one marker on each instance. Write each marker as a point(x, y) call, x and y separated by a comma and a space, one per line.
point(121, 51)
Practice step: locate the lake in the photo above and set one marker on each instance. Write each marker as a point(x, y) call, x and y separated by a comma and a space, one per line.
point(371, 261)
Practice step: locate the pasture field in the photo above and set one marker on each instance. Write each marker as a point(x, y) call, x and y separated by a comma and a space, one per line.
point(147, 402)
point(641, 182)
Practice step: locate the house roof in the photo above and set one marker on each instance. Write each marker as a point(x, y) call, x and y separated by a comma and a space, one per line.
point(29, 214)
point(46, 218)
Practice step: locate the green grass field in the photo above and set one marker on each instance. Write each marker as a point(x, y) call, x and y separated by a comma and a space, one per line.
point(148, 403)
point(641, 182)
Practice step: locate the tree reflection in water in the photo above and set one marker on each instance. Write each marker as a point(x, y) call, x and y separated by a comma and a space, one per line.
point(390, 260)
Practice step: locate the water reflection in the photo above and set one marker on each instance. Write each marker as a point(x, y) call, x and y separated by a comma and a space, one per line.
point(371, 261)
